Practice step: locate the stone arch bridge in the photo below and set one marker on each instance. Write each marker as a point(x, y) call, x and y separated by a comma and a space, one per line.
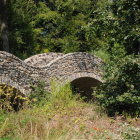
point(81, 69)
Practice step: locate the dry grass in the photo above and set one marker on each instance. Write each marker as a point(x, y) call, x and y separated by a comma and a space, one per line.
point(81, 122)
point(65, 117)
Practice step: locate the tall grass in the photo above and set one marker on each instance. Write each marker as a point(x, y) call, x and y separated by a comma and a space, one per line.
point(31, 121)
point(61, 94)
point(61, 116)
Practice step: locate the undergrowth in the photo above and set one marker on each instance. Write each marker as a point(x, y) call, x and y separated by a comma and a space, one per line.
point(11, 99)
point(63, 116)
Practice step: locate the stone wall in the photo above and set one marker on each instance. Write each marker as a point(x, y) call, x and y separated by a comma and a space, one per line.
point(64, 67)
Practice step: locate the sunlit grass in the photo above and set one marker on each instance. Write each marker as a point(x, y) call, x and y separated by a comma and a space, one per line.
point(64, 117)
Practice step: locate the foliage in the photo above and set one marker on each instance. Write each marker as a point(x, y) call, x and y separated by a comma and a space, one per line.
point(60, 94)
point(11, 99)
point(103, 54)
point(126, 14)
point(116, 26)
point(62, 23)
point(38, 96)
point(38, 26)
point(22, 38)
point(52, 25)
point(121, 91)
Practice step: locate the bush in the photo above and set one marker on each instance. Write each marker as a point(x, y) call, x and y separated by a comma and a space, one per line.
point(11, 99)
point(38, 96)
point(121, 91)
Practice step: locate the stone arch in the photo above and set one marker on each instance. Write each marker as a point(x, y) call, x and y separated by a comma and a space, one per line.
point(16, 73)
point(41, 60)
point(74, 64)
point(20, 74)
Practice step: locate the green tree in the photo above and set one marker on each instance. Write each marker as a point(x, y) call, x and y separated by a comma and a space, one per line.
point(116, 25)
point(37, 26)
point(63, 24)
point(21, 31)
point(127, 14)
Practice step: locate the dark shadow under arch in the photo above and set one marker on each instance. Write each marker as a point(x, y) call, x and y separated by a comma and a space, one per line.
point(84, 86)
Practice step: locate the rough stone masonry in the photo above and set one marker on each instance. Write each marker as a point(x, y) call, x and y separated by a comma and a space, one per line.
point(47, 66)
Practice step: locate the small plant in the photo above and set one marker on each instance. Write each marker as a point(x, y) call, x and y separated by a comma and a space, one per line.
point(38, 96)
point(130, 132)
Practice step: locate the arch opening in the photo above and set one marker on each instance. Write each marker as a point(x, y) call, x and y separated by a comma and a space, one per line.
point(84, 86)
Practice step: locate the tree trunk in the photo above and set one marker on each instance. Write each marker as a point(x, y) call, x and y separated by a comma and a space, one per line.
point(4, 27)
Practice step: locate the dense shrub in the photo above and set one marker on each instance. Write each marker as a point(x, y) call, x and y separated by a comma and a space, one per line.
point(121, 91)
point(11, 99)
